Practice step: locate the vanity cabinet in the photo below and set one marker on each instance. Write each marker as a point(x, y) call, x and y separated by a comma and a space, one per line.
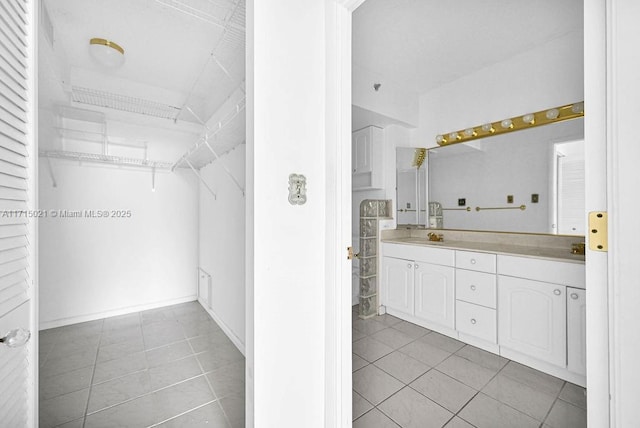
point(476, 295)
point(367, 161)
point(398, 276)
point(434, 293)
point(528, 309)
point(419, 282)
point(533, 319)
point(576, 330)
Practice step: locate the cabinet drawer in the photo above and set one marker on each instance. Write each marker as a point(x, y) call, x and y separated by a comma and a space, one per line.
point(438, 256)
point(476, 287)
point(571, 274)
point(482, 262)
point(476, 320)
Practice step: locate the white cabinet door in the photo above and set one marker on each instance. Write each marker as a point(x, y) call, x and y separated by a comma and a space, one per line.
point(397, 283)
point(434, 293)
point(532, 318)
point(362, 146)
point(576, 330)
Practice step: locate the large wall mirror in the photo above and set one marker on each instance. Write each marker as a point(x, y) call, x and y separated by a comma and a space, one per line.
point(527, 181)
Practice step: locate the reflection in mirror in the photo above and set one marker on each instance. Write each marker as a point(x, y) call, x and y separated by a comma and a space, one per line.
point(411, 187)
point(530, 181)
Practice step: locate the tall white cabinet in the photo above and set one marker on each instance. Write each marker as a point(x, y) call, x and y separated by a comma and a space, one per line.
point(367, 161)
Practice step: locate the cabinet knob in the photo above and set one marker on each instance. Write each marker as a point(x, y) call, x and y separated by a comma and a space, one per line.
point(473, 320)
point(557, 292)
point(574, 296)
point(473, 261)
point(473, 288)
point(409, 265)
point(416, 266)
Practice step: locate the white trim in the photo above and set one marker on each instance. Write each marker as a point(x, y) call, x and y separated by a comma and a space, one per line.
point(225, 328)
point(596, 140)
point(338, 308)
point(115, 312)
point(33, 270)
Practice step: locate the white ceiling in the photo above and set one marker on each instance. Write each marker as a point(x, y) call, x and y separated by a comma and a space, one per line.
point(421, 44)
point(168, 49)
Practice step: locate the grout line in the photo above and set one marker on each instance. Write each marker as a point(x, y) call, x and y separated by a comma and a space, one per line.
point(226, 417)
point(93, 373)
point(181, 414)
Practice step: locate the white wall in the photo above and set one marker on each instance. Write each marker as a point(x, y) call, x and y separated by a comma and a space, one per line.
point(547, 76)
point(390, 100)
point(91, 267)
point(222, 241)
point(287, 287)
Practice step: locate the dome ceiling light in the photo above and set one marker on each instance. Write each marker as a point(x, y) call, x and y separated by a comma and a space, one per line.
point(106, 53)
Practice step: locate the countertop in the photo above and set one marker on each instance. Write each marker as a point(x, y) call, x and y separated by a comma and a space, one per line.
point(555, 254)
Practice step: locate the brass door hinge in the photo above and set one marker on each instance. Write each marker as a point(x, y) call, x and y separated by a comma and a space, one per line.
point(598, 231)
point(351, 255)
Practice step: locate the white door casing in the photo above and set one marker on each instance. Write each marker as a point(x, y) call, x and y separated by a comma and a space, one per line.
point(18, 157)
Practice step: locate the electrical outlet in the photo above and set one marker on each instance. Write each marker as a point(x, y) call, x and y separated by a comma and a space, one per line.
point(462, 202)
point(509, 199)
point(534, 198)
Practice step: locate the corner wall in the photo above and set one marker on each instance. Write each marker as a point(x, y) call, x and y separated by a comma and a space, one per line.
point(222, 241)
point(91, 268)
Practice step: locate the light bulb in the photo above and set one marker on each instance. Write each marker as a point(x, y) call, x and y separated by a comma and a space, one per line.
point(507, 123)
point(552, 114)
point(440, 139)
point(454, 136)
point(529, 118)
point(577, 108)
point(470, 132)
point(488, 127)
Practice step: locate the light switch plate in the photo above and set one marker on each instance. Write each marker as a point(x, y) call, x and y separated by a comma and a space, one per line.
point(297, 189)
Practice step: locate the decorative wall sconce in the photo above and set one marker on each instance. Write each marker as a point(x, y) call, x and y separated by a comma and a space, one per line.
point(529, 120)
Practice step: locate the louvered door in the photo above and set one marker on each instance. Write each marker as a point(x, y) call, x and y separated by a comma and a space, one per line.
point(17, 204)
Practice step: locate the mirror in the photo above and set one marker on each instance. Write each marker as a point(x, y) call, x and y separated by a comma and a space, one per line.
point(531, 181)
point(411, 188)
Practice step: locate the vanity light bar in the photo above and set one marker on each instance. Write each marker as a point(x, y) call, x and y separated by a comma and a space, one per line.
point(529, 120)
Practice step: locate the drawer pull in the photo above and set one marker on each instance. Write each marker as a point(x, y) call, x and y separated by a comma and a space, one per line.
point(574, 296)
point(416, 265)
point(473, 288)
point(409, 265)
point(557, 292)
point(473, 261)
point(473, 320)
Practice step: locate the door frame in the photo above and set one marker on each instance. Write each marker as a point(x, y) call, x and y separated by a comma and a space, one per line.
point(596, 36)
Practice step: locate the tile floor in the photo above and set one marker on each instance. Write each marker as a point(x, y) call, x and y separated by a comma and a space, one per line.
point(408, 376)
point(168, 367)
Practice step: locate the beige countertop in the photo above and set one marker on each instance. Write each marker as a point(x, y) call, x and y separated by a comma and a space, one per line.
point(549, 253)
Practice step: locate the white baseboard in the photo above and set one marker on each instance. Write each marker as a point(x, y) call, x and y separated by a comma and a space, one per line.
point(225, 328)
point(113, 313)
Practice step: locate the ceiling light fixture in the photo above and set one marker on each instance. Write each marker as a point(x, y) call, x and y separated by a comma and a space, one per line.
point(106, 53)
